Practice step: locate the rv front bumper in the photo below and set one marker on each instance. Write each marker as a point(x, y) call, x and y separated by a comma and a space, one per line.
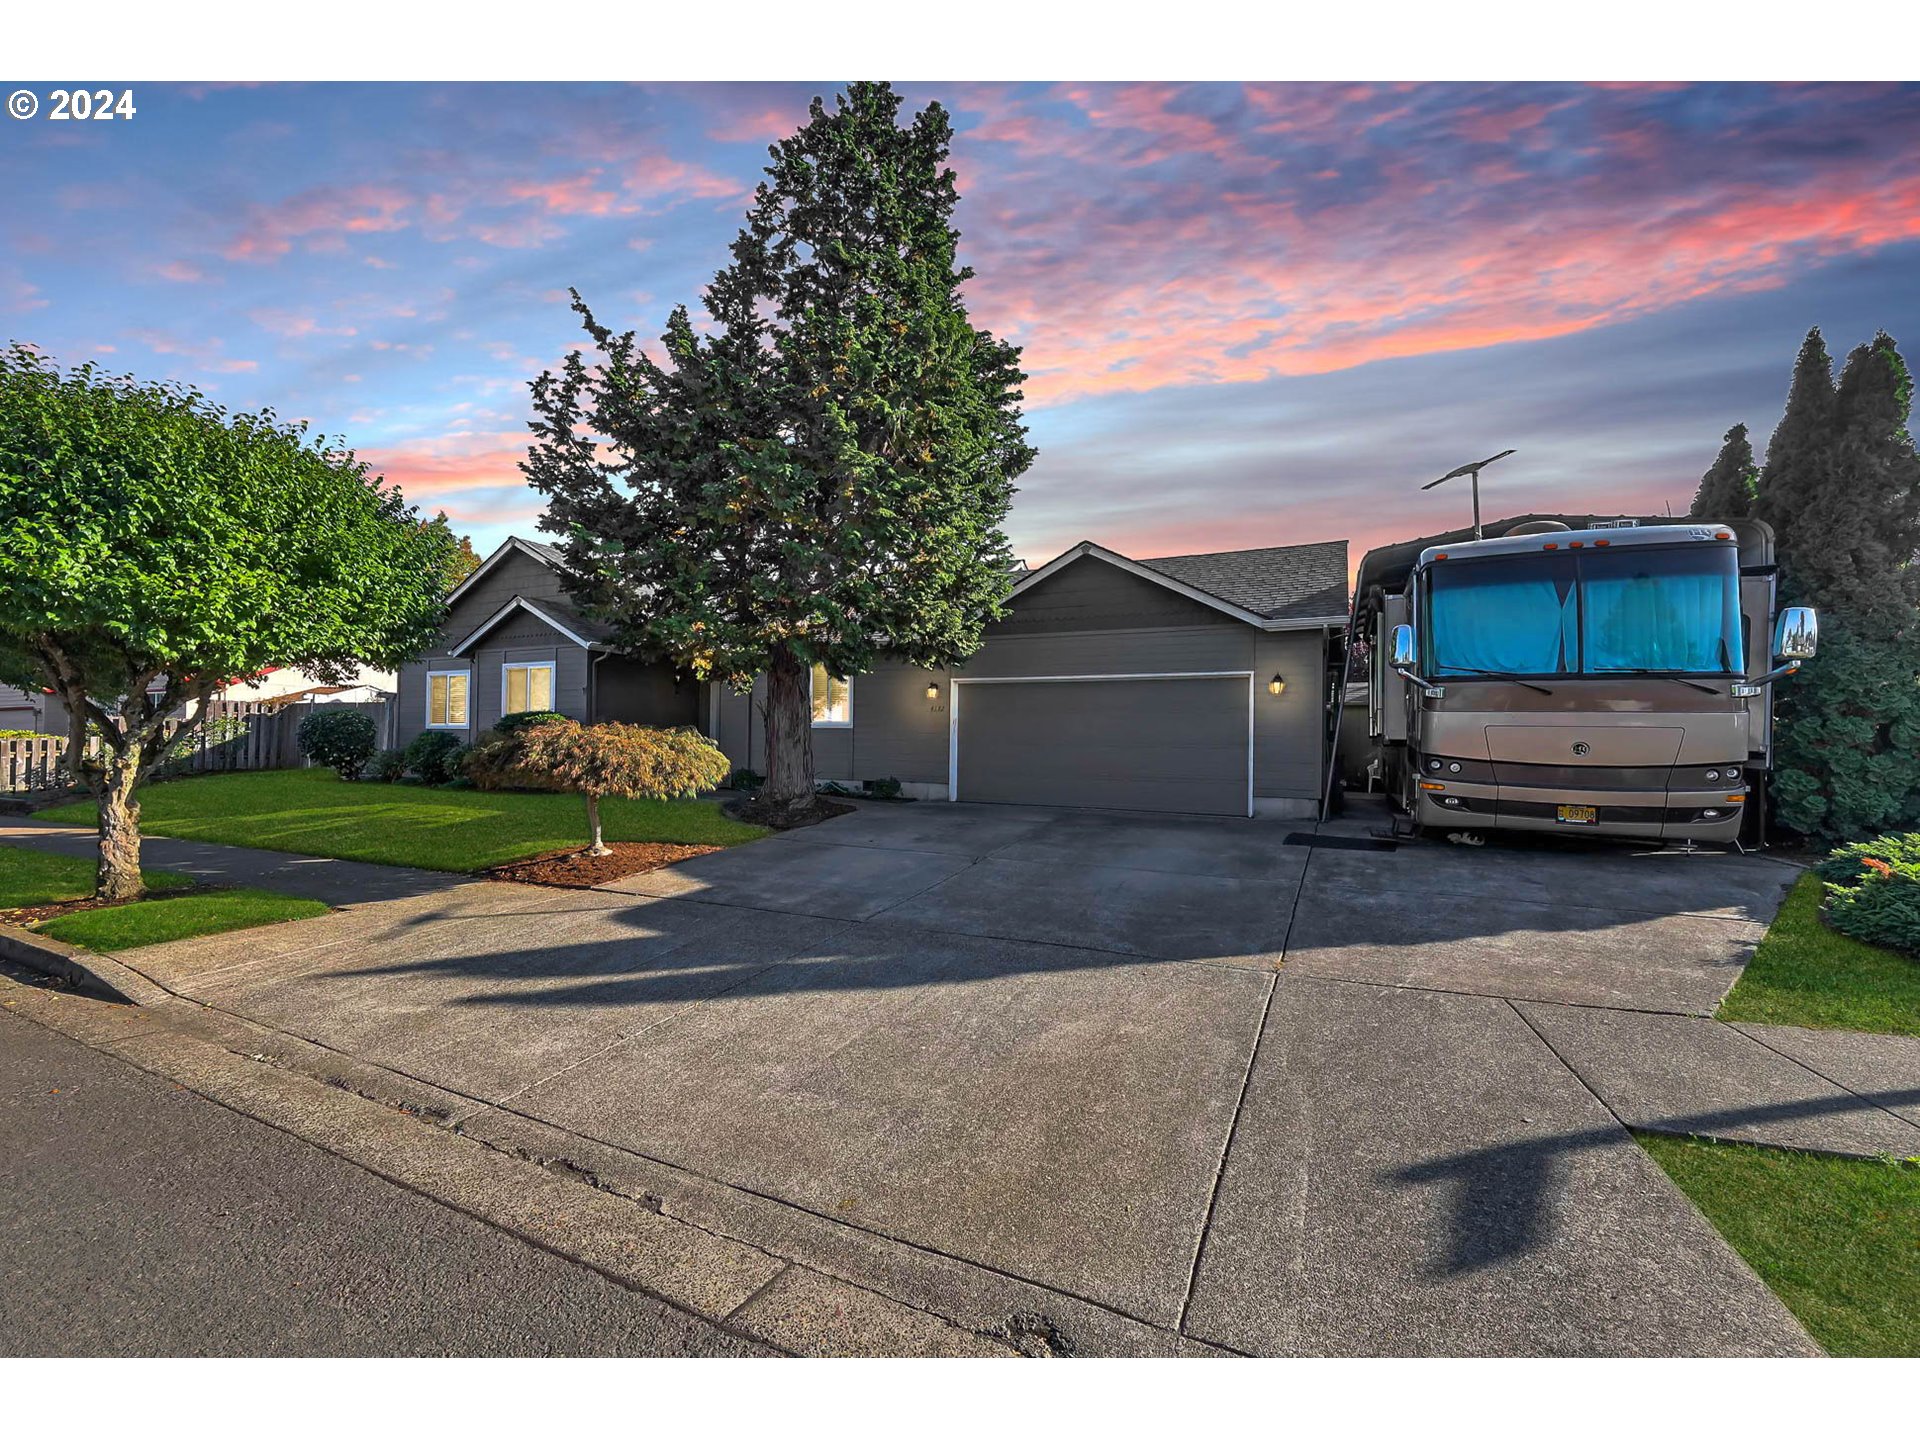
point(1646, 815)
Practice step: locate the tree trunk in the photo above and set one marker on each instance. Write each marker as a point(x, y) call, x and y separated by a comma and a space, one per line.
point(789, 733)
point(599, 846)
point(118, 877)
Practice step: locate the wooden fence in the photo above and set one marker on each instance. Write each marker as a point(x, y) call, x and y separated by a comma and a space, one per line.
point(240, 735)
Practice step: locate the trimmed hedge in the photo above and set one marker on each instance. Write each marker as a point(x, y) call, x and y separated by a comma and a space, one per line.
point(435, 756)
point(343, 740)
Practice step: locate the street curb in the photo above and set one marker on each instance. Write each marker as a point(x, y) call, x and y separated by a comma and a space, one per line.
point(97, 974)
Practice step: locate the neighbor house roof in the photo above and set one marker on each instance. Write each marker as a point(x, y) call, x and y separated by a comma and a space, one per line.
point(1283, 587)
point(1279, 582)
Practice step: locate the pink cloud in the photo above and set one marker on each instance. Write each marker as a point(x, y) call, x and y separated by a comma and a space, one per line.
point(319, 218)
point(207, 354)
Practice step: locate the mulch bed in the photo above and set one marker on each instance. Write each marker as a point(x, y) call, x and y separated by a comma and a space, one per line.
point(577, 870)
point(778, 817)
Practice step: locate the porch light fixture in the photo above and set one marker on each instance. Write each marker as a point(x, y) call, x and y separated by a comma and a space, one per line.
point(933, 689)
point(1276, 685)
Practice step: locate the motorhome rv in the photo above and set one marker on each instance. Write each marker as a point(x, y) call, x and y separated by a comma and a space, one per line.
point(1588, 674)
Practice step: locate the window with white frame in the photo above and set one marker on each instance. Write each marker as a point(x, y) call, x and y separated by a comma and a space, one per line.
point(447, 699)
point(832, 699)
point(525, 687)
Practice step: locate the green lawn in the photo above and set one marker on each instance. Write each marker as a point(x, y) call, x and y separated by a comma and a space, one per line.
point(1837, 1240)
point(33, 877)
point(177, 917)
point(1806, 974)
point(312, 812)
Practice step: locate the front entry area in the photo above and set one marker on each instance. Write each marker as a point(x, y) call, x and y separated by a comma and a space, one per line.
point(1180, 743)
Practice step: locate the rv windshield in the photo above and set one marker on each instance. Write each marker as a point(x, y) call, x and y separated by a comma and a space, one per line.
point(1665, 609)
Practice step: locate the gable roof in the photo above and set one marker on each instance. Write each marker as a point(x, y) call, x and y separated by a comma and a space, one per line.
point(585, 633)
point(1283, 587)
point(545, 554)
point(1279, 582)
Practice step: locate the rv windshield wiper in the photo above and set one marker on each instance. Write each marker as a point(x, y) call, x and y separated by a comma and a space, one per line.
point(1677, 679)
point(1500, 675)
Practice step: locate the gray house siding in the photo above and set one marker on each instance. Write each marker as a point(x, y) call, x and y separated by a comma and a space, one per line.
point(1091, 618)
point(638, 693)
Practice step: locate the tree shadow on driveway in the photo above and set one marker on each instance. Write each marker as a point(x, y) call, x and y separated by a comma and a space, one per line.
point(1504, 1196)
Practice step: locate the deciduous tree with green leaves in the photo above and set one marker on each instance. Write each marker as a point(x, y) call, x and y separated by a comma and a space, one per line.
point(154, 546)
point(820, 474)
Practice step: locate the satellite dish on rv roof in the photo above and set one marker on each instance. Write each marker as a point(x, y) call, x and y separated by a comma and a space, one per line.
point(1538, 527)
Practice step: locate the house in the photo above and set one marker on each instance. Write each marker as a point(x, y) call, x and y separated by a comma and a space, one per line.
point(1189, 683)
point(511, 641)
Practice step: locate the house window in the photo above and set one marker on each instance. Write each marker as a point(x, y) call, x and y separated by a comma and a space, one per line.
point(832, 699)
point(447, 700)
point(526, 687)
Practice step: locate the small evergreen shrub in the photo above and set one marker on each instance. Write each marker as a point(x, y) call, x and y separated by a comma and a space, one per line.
point(745, 780)
point(341, 739)
point(1873, 892)
point(386, 766)
point(432, 755)
point(1844, 867)
point(525, 720)
point(887, 789)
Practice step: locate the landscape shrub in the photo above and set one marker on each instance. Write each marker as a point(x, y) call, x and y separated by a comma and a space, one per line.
point(596, 761)
point(386, 766)
point(525, 720)
point(1873, 892)
point(887, 789)
point(433, 754)
point(745, 780)
point(1843, 866)
point(341, 739)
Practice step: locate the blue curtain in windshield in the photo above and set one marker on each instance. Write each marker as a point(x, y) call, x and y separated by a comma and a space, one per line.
point(1661, 610)
point(1516, 615)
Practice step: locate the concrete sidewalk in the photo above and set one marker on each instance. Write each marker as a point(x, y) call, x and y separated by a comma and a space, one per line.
point(339, 883)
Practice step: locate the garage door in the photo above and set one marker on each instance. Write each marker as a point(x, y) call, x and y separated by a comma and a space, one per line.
point(1128, 743)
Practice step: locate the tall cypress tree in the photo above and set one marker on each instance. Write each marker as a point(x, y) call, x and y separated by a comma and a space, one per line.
point(1842, 491)
point(1726, 490)
point(1799, 456)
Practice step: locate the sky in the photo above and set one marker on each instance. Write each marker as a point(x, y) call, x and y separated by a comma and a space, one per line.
point(1251, 314)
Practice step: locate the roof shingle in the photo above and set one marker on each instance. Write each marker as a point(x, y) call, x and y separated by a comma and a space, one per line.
point(1280, 582)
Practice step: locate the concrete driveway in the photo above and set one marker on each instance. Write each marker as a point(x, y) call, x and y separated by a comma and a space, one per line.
point(1173, 1072)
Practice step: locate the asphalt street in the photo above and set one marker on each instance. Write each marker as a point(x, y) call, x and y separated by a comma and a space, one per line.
point(137, 1218)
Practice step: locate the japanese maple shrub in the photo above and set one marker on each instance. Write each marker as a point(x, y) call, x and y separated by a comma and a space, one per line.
point(596, 761)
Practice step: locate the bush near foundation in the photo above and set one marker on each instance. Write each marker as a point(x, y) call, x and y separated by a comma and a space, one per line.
point(434, 756)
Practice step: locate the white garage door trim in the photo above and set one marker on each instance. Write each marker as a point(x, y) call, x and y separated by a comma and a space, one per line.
point(953, 709)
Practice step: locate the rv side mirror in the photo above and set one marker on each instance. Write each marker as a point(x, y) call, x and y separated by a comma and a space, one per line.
point(1405, 652)
point(1797, 635)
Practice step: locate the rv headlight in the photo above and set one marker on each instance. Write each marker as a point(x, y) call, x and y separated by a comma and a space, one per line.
point(1433, 764)
point(1713, 774)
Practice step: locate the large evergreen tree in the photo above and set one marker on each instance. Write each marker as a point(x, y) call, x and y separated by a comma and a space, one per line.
point(1726, 490)
point(820, 475)
point(1842, 490)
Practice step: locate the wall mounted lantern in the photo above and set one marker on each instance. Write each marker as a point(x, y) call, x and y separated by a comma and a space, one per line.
point(933, 689)
point(1276, 685)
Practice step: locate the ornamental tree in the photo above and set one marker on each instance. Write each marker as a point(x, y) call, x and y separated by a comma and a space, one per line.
point(596, 761)
point(154, 546)
point(819, 476)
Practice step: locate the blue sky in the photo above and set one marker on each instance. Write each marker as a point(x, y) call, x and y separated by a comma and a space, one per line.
point(1253, 314)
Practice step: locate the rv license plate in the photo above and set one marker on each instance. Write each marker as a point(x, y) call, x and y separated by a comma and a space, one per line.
point(1578, 815)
